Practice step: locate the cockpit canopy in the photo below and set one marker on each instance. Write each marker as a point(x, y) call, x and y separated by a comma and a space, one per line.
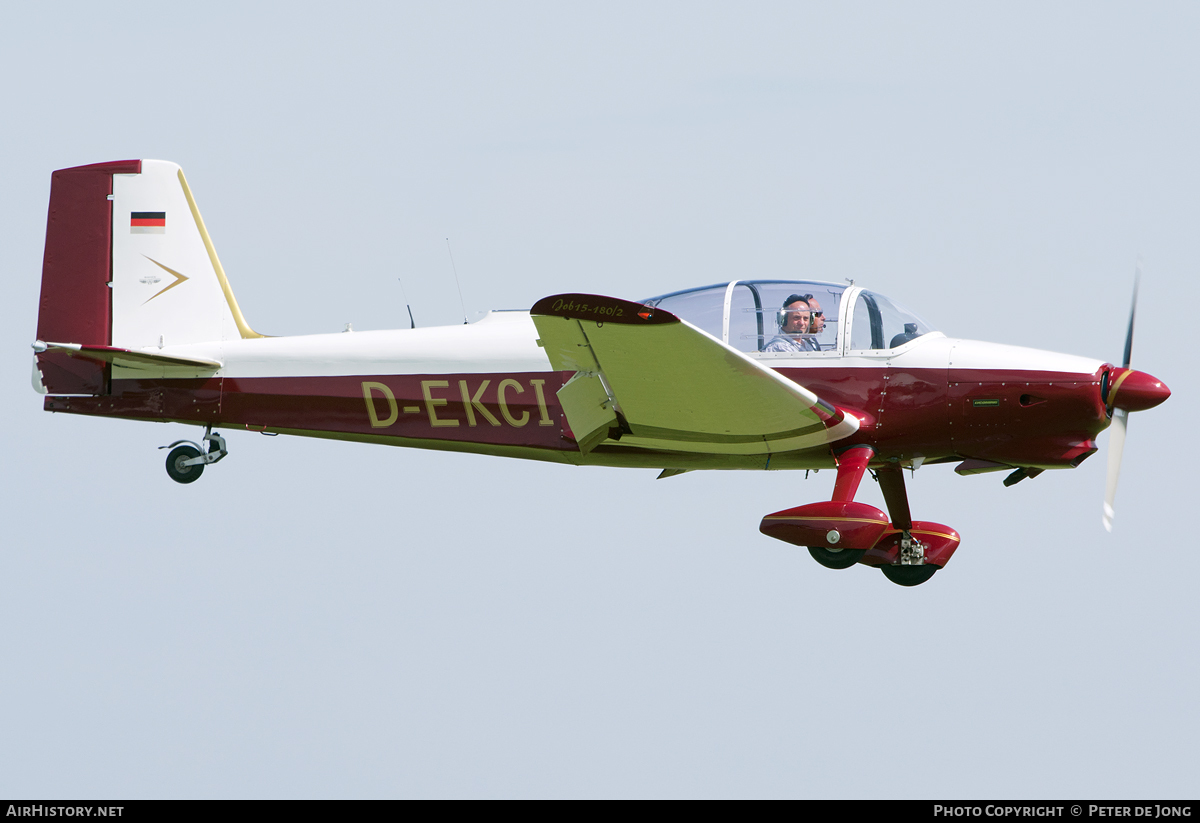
point(794, 317)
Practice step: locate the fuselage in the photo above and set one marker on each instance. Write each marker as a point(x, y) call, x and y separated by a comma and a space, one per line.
point(488, 388)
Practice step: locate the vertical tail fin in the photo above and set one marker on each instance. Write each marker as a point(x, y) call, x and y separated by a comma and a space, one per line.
point(168, 285)
point(128, 264)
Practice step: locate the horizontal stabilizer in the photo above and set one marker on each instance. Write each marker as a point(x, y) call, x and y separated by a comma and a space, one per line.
point(646, 378)
point(126, 358)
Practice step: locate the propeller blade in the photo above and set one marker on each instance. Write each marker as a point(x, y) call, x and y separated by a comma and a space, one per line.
point(1120, 417)
point(1116, 444)
point(1137, 277)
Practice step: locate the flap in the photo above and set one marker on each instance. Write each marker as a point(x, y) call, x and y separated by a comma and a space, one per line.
point(674, 387)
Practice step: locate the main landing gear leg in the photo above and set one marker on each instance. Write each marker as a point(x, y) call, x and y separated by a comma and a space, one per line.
point(851, 466)
point(911, 568)
point(187, 459)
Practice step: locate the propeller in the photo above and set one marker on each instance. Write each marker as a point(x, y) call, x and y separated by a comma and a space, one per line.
point(1120, 416)
point(1123, 391)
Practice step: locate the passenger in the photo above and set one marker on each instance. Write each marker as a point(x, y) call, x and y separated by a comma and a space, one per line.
point(818, 318)
point(797, 319)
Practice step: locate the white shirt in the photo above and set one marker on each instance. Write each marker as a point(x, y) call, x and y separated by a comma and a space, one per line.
point(784, 342)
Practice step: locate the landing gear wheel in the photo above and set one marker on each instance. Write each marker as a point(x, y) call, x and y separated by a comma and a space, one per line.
point(179, 472)
point(836, 558)
point(909, 575)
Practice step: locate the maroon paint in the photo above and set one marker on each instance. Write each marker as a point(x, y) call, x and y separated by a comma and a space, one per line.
point(337, 405)
point(940, 543)
point(1057, 432)
point(972, 466)
point(858, 524)
point(75, 303)
point(1138, 392)
point(601, 309)
point(1041, 417)
point(851, 466)
point(184, 401)
point(908, 418)
point(1025, 418)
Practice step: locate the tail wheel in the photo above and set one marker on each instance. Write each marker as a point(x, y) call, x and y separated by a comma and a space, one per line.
point(836, 558)
point(909, 575)
point(179, 472)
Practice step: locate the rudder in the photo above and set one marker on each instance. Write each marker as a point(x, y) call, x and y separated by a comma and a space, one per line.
point(76, 304)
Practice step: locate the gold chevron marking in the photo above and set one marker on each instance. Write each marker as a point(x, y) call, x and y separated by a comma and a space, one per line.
point(179, 278)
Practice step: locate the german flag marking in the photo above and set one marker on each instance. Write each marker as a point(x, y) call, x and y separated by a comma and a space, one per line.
point(148, 222)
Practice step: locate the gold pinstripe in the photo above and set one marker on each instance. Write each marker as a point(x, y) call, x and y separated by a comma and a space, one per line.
point(838, 519)
point(243, 328)
point(864, 520)
point(1112, 393)
point(936, 534)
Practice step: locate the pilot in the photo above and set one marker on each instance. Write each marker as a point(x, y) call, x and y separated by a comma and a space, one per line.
point(797, 320)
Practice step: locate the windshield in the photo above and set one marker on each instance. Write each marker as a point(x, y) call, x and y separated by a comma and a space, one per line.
point(878, 323)
point(703, 308)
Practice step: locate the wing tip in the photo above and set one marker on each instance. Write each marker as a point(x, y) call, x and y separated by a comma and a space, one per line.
point(601, 309)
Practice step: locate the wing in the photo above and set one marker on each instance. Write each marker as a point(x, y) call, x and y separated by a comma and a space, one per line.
point(652, 380)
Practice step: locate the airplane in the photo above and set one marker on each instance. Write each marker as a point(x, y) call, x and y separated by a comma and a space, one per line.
point(137, 320)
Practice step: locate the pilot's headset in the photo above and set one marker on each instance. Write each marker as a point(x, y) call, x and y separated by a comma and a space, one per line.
point(781, 315)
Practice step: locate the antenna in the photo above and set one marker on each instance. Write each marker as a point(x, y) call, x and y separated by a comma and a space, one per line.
point(407, 305)
point(456, 283)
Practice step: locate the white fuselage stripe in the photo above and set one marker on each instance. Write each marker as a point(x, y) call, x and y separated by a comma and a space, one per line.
point(506, 342)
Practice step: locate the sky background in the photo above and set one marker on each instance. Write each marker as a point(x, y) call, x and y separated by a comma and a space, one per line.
point(323, 619)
